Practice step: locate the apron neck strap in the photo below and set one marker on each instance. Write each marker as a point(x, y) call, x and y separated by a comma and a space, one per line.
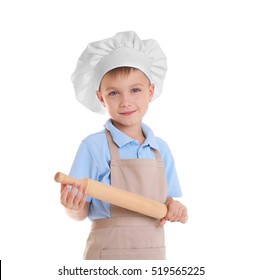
point(115, 151)
point(113, 147)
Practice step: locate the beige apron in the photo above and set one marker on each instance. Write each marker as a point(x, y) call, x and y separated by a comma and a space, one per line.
point(128, 235)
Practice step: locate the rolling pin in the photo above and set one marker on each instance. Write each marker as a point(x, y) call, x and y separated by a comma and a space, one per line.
point(117, 196)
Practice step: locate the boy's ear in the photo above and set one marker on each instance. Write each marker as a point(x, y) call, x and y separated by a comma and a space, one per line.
point(100, 97)
point(151, 91)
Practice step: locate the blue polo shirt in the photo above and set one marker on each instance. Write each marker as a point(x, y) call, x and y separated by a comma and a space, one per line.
point(93, 161)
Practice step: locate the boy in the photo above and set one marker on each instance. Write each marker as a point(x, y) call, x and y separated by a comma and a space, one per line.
point(126, 74)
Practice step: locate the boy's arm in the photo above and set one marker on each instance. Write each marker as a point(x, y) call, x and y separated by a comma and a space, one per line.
point(78, 215)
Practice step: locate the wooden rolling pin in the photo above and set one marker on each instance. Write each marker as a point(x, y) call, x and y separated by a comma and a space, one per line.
point(117, 196)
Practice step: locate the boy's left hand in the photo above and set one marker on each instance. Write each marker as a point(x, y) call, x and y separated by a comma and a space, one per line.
point(176, 212)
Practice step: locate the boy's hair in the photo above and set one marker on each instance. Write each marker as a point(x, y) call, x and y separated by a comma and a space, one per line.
point(123, 70)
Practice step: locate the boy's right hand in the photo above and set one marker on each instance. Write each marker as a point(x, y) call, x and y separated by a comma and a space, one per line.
point(74, 197)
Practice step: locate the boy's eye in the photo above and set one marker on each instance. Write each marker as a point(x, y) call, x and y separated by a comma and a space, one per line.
point(112, 93)
point(135, 90)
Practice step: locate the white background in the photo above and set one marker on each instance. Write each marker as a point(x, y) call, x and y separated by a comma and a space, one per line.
point(209, 114)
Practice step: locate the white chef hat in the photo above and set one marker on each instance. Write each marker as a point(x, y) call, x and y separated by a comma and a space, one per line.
point(124, 49)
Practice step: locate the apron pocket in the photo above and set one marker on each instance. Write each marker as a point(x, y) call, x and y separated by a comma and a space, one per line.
point(134, 254)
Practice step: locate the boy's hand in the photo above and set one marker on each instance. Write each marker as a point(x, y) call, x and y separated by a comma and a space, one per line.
point(176, 211)
point(74, 197)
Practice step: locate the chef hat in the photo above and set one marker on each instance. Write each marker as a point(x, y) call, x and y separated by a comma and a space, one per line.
point(124, 49)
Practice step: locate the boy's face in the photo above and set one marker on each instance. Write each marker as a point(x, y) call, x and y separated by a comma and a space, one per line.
point(127, 97)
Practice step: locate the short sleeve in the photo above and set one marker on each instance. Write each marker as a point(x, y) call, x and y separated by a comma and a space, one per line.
point(174, 189)
point(84, 164)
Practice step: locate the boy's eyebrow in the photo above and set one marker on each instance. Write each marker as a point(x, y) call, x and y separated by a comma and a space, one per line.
point(111, 88)
point(138, 85)
point(117, 88)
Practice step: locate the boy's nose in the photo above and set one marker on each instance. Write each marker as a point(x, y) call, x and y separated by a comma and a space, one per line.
point(125, 101)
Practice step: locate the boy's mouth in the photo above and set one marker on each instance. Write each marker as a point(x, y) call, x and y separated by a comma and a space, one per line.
point(127, 113)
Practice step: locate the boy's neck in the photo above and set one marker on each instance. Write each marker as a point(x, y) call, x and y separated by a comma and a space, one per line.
point(134, 132)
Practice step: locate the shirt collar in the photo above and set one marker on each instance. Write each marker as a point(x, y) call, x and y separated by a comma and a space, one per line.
point(121, 139)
